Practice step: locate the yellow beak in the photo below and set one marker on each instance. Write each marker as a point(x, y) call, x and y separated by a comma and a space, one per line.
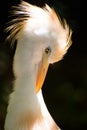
point(42, 70)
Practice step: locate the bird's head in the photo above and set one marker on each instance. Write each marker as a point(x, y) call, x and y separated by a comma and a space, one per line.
point(42, 38)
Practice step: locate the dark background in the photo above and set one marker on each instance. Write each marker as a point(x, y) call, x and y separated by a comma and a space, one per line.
point(65, 87)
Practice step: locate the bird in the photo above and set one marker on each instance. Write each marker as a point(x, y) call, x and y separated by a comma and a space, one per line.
point(42, 39)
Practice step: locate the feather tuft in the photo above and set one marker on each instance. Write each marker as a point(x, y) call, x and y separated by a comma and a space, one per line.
point(23, 12)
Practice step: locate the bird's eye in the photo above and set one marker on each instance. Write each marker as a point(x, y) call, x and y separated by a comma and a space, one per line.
point(48, 50)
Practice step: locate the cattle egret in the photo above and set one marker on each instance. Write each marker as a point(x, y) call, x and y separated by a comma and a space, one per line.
point(42, 39)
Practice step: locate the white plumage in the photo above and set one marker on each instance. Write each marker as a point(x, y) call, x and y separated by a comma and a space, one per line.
point(42, 40)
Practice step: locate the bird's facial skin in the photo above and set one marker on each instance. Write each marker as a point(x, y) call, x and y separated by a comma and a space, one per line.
point(52, 53)
point(42, 69)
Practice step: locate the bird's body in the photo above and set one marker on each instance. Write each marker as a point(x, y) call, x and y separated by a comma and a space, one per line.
point(42, 40)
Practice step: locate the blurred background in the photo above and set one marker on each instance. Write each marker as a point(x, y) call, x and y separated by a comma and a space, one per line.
point(65, 87)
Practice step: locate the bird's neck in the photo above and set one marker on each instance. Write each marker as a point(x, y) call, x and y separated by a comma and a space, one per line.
point(26, 110)
point(24, 93)
point(25, 105)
